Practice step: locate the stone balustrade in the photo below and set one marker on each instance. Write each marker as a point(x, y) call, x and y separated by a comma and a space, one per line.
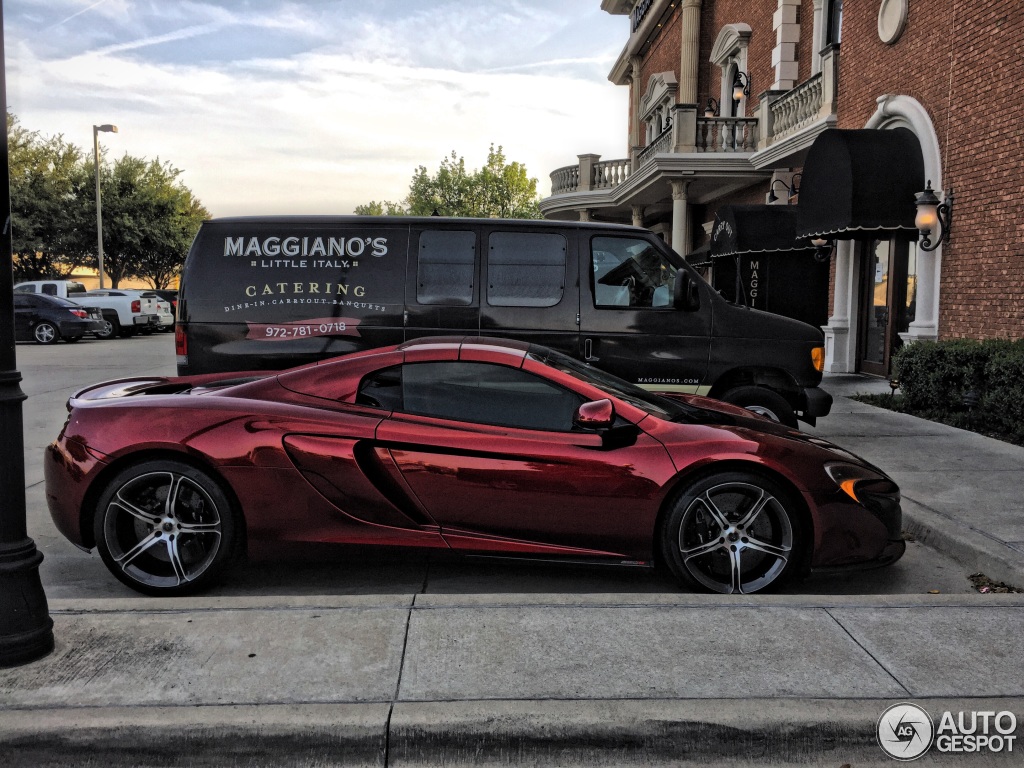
point(798, 108)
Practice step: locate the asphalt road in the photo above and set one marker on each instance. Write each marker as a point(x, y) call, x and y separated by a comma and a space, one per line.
point(51, 374)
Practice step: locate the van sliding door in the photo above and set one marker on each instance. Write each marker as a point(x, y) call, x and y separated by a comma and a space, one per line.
point(530, 285)
point(442, 290)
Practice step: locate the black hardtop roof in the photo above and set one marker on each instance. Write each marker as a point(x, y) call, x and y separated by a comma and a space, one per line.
point(325, 220)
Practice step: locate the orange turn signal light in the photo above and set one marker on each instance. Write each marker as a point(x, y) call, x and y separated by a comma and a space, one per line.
point(818, 359)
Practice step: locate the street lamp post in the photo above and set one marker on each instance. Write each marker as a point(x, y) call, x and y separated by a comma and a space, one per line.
point(107, 128)
point(26, 629)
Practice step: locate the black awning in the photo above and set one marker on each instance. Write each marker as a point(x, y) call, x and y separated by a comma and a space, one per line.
point(755, 229)
point(860, 183)
point(699, 257)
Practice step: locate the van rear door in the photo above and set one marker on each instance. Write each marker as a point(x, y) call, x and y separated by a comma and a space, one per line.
point(629, 325)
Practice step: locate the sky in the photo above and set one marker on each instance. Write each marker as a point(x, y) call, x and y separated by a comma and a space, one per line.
point(272, 106)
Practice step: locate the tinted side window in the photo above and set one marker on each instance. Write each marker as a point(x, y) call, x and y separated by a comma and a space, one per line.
point(50, 289)
point(488, 394)
point(628, 272)
point(445, 268)
point(382, 389)
point(525, 269)
point(25, 289)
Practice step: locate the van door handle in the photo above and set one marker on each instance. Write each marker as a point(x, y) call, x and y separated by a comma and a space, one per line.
point(588, 349)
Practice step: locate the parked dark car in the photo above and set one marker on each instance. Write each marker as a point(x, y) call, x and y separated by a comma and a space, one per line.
point(47, 319)
point(472, 445)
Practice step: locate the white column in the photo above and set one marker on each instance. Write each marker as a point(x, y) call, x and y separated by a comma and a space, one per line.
point(638, 215)
point(680, 217)
point(584, 214)
point(840, 338)
point(926, 322)
point(689, 52)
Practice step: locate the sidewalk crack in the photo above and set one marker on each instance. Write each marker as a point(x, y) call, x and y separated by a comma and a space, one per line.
point(872, 656)
point(398, 683)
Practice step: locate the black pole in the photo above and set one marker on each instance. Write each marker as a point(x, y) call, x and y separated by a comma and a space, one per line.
point(26, 629)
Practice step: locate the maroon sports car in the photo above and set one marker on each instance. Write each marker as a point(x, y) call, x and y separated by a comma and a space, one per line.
point(475, 445)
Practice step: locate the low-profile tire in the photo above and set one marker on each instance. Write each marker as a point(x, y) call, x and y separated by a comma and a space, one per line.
point(111, 328)
point(45, 333)
point(733, 532)
point(72, 339)
point(164, 527)
point(764, 402)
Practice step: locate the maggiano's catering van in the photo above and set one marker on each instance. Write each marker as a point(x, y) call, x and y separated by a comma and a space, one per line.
point(269, 293)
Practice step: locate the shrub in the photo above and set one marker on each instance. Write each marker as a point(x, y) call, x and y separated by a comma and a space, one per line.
point(935, 376)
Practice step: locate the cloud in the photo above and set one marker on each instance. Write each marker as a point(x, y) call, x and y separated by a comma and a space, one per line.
point(320, 120)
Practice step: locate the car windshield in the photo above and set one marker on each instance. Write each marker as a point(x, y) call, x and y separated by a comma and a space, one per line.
point(655, 405)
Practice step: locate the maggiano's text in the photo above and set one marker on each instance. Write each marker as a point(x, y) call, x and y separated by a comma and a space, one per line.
point(328, 247)
point(295, 289)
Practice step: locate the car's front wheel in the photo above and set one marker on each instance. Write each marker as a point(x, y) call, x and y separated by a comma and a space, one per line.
point(45, 333)
point(164, 527)
point(733, 532)
point(111, 328)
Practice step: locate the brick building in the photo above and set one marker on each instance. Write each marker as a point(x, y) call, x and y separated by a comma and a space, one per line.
point(845, 113)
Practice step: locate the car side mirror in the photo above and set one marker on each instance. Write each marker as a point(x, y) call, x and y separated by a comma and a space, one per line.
point(687, 295)
point(595, 414)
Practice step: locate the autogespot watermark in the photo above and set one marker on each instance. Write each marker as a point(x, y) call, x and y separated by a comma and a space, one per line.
point(907, 731)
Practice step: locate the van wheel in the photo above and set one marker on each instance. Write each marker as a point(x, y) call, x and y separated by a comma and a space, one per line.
point(764, 402)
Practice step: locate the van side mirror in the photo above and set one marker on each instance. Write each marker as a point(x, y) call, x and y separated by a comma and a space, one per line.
point(595, 414)
point(687, 295)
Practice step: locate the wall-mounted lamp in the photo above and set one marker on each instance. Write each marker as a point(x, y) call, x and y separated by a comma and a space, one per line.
point(822, 248)
point(713, 108)
point(791, 189)
point(932, 214)
point(740, 85)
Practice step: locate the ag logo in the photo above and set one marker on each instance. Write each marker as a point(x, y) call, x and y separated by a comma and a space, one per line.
point(905, 731)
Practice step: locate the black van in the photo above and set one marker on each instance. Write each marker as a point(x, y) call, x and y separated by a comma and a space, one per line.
point(273, 292)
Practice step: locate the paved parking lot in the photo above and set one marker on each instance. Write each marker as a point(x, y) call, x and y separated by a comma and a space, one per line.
point(51, 374)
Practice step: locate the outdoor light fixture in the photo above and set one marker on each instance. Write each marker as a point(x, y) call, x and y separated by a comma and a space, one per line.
point(107, 128)
point(822, 248)
point(713, 108)
point(740, 85)
point(931, 215)
point(791, 189)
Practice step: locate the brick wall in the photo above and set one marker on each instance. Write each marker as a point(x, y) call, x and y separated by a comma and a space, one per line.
point(961, 60)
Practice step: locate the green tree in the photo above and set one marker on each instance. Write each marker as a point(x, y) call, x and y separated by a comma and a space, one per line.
point(500, 189)
point(149, 220)
point(48, 225)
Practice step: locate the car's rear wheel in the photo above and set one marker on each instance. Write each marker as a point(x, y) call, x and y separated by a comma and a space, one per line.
point(45, 333)
point(164, 527)
point(733, 532)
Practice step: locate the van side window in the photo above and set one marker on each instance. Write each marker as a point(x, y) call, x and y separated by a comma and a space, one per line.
point(628, 272)
point(445, 268)
point(525, 269)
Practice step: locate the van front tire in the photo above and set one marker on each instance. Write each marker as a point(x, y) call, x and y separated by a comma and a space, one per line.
point(762, 401)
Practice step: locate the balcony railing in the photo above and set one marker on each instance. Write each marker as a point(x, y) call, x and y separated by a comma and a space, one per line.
point(798, 108)
point(661, 144)
point(726, 134)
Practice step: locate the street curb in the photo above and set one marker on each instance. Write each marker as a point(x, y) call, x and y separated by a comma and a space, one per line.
point(733, 732)
point(974, 549)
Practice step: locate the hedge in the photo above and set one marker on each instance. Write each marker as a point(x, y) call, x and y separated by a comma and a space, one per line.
point(936, 376)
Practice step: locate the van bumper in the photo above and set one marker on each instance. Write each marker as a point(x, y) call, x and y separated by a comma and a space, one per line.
point(815, 402)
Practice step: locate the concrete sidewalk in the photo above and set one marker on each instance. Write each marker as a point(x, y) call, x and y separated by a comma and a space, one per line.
point(644, 679)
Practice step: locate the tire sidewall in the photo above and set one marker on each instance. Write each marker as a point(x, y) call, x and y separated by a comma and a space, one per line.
point(745, 397)
point(670, 551)
point(229, 538)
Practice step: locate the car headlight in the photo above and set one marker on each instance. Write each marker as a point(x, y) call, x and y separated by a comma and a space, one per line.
point(866, 486)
